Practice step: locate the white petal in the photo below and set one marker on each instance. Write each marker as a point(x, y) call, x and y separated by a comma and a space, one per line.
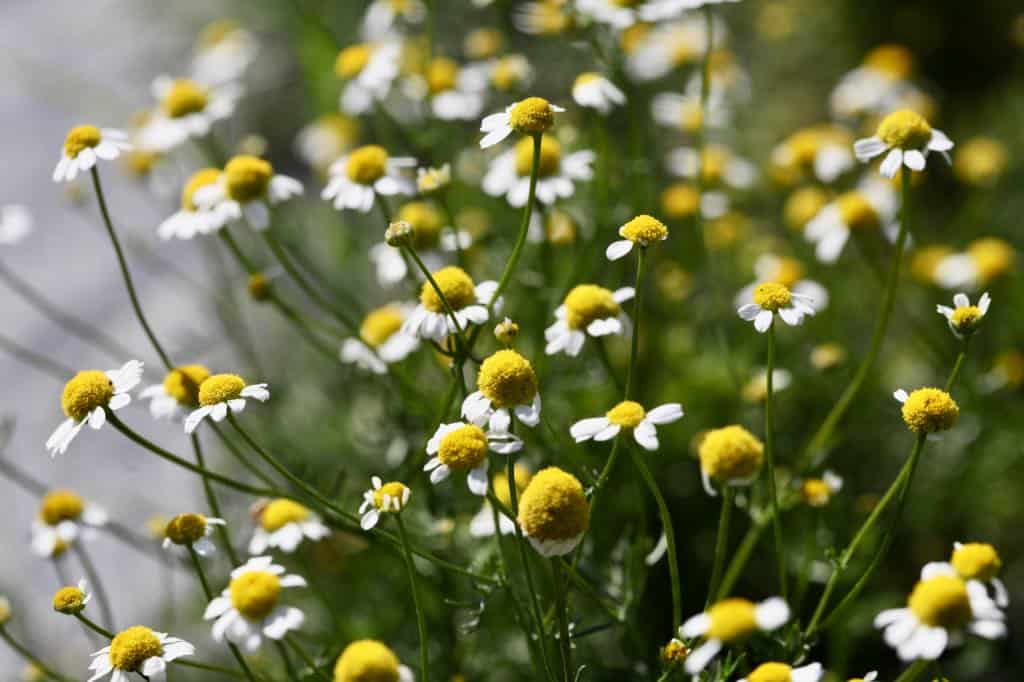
point(618, 249)
point(772, 613)
point(763, 321)
point(702, 655)
point(892, 163)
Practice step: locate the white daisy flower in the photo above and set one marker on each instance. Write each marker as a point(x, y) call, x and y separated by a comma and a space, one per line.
point(554, 512)
point(15, 223)
point(728, 622)
point(138, 650)
point(588, 310)
point(382, 17)
point(382, 340)
point(191, 219)
point(669, 45)
point(818, 492)
point(323, 141)
point(964, 318)
point(482, 525)
point(540, 18)
point(223, 393)
point(506, 385)
point(870, 208)
point(908, 138)
point(469, 302)
point(595, 91)
point(874, 85)
point(611, 12)
point(718, 166)
point(783, 672)
point(382, 498)
point(283, 524)
point(683, 111)
point(771, 299)
point(643, 230)
point(72, 600)
point(430, 180)
point(979, 561)
point(756, 390)
point(508, 73)
point(223, 53)
point(790, 273)
point(63, 517)
point(86, 398)
point(452, 92)
point(355, 180)
point(368, 69)
point(661, 10)
point(463, 447)
point(177, 394)
point(823, 151)
point(928, 410)
point(192, 530)
point(941, 607)
point(83, 146)
point(186, 109)
point(509, 173)
point(531, 116)
point(631, 416)
point(247, 188)
point(249, 609)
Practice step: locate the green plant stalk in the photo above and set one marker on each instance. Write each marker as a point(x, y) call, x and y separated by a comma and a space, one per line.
point(562, 610)
point(440, 294)
point(524, 226)
point(634, 344)
point(916, 669)
point(101, 631)
point(670, 535)
point(306, 658)
point(212, 503)
point(721, 543)
point(739, 560)
point(421, 622)
point(606, 362)
point(769, 452)
point(286, 660)
point(30, 657)
point(961, 356)
point(93, 576)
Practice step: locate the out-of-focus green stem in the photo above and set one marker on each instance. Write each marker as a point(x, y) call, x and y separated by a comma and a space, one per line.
point(30, 657)
point(421, 621)
point(769, 454)
point(634, 345)
point(670, 535)
point(721, 544)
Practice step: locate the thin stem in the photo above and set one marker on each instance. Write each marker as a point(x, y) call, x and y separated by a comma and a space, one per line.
point(440, 294)
point(212, 503)
point(124, 270)
point(606, 362)
point(306, 658)
point(101, 631)
point(30, 657)
point(286, 660)
point(605, 473)
point(238, 455)
point(562, 611)
point(524, 226)
point(961, 356)
point(722, 543)
point(769, 453)
point(670, 535)
point(185, 663)
point(93, 576)
point(641, 251)
point(421, 622)
point(739, 560)
point(916, 669)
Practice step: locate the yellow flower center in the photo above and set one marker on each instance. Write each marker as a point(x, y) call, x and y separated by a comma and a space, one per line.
point(182, 383)
point(220, 388)
point(81, 137)
point(393, 490)
point(627, 414)
point(965, 317)
point(942, 602)
point(732, 620)
point(977, 561)
point(508, 71)
point(280, 512)
point(560, 228)
point(644, 230)
point(731, 453)
point(532, 116)
point(585, 78)
point(771, 672)
point(379, 325)
point(367, 165)
point(905, 129)
point(550, 157)
point(772, 295)
point(254, 594)
point(857, 213)
point(992, 257)
point(981, 161)
point(186, 529)
point(894, 61)
point(464, 448)
point(816, 492)
point(131, 647)
point(185, 97)
point(499, 483)
point(426, 223)
point(366, 660)
point(483, 43)
point(680, 201)
point(442, 75)
point(352, 60)
point(507, 379)
point(455, 284)
point(802, 205)
point(589, 302)
point(553, 506)
point(86, 391)
point(675, 652)
point(199, 179)
point(247, 177)
point(713, 162)
point(927, 410)
point(69, 600)
point(788, 271)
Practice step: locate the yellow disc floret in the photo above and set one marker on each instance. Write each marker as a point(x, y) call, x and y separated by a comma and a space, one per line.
point(254, 594)
point(69, 600)
point(981, 161)
point(201, 178)
point(941, 602)
point(442, 74)
point(352, 60)
point(905, 129)
point(390, 496)
point(464, 448)
point(628, 414)
point(589, 302)
point(856, 212)
point(550, 157)
point(61, 505)
point(680, 201)
point(644, 230)
point(772, 295)
point(731, 453)
point(280, 512)
point(380, 325)
point(86, 391)
point(247, 177)
point(81, 137)
point(992, 257)
point(895, 61)
point(816, 492)
point(367, 660)
point(553, 506)
point(802, 205)
point(507, 379)
point(976, 561)
point(965, 317)
point(457, 286)
point(132, 647)
point(532, 116)
point(185, 97)
point(928, 410)
point(182, 383)
point(367, 165)
point(771, 672)
point(220, 388)
point(675, 652)
point(732, 620)
point(426, 222)
point(186, 529)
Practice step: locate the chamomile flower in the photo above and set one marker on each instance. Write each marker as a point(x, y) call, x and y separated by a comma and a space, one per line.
point(683, 111)
point(463, 448)
point(771, 299)
point(788, 272)
point(783, 672)
point(730, 455)
point(368, 70)
point(964, 318)
point(482, 525)
point(630, 416)
point(220, 394)
point(382, 340)
point(63, 517)
point(730, 621)
point(453, 93)
point(717, 165)
point(928, 410)
point(15, 224)
point(192, 530)
point(654, 51)
point(880, 80)
point(803, 205)
point(247, 188)
point(870, 208)
point(506, 385)
point(981, 161)
point(383, 15)
point(554, 512)
point(382, 498)
point(283, 524)
point(358, 178)
point(588, 310)
point(468, 300)
point(908, 138)
point(509, 173)
point(756, 389)
point(595, 91)
point(869, 677)
point(615, 13)
point(980, 561)
point(223, 52)
point(642, 230)
point(186, 109)
point(138, 650)
point(250, 608)
point(430, 238)
point(544, 18)
point(984, 260)
point(178, 394)
point(940, 608)
point(72, 599)
point(531, 116)
point(818, 492)
point(323, 141)
point(661, 10)
point(432, 180)
point(86, 398)
point(192, 219)
point(822, 151)
point(367, 660)
point(509, 72)
point(85, 144)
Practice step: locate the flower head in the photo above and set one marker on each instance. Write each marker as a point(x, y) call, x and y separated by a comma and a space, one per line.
point(192, 219)
point(731, 455)
point(72, 599)
point(506, 332)
point(588, 310)
point(138, 650)
point(629, 416)
point(247, 188)
point(187, 108)
point(595, 91)
point(642, 230)
point(771, 299)
point(82, 147)
point(468, 300)
point(928, 410)
point(63, 514)
point(220, 394)
point(531, 116)
point(463, 448)
point(509, 173)
point(283, 524)
point(382, 498)
point(817, 492)
point(907, 137)
point(964, 319)
point(981, 161)
point(506, 385)
point(981, 562)
point(178, 393)
point(783, 672)
point(192, 530)
point(730, 621)
point(382, 341)
point(367, 660)
point(553, 512)
point(87, 397)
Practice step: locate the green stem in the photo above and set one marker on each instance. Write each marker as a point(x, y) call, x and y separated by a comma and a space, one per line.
point(562, 609)
point(440, 294)
point(769, 452)
point(95, 584)
point(670, 536)
point(286, 660)
point(421, 622)
point(722, 543)
point(306, 658)
point(916, 669)
point(961, 356)
point(739, 560)
point(606, 361)
point(185, 663)
point(124, 270)
point(30, 657)
point(635, 342)
point(101, 631)
point(238, 455)
point(212, 503)
point(524, 226)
